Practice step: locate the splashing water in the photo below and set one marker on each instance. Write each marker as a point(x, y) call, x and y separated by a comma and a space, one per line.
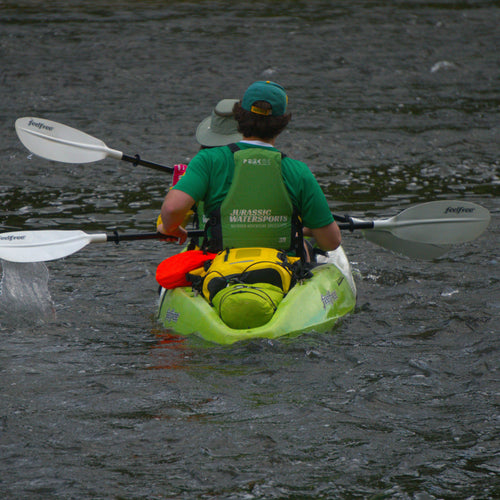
point(24, 293)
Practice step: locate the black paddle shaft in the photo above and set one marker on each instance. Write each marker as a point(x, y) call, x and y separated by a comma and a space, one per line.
point(351, 226)
point(136, 160)
point(116, 237)
point(197, 233)
point(346, 222)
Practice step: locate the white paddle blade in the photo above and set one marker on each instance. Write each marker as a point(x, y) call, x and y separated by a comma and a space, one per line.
point(412, 249)
point(58, 142)
point(438, 223)
point(44, 245)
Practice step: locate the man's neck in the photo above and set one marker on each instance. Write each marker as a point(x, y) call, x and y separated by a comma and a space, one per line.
point(258, 140)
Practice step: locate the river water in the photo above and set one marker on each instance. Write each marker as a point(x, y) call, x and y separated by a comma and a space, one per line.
point(394, 104)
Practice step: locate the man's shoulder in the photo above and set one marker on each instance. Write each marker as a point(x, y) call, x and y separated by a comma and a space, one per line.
point(294, 163)
point(212, 153)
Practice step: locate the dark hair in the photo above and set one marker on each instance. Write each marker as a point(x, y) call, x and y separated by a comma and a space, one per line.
point(254, 125)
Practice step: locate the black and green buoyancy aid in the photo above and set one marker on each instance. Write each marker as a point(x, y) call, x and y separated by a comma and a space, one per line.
point(257, 210)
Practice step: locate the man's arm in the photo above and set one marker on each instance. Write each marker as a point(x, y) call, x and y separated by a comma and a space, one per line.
point(173, 211)
point(327, 237)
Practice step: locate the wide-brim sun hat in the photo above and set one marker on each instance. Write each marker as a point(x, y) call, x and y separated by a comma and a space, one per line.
point(220, 128)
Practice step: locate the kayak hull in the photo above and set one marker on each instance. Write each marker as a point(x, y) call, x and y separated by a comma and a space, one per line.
point(312, 305)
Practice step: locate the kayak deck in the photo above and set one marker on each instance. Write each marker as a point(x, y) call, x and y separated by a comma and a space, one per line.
point(314, 304)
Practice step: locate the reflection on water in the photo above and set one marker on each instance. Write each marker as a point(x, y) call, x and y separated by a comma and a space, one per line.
point(170, 352)
point(404, 184)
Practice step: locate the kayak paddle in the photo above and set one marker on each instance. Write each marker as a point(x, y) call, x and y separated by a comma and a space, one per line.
point(58, 142)
point(44, 245)
point(423, 231)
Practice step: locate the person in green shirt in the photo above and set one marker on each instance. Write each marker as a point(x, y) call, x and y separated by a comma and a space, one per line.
point(251, 189)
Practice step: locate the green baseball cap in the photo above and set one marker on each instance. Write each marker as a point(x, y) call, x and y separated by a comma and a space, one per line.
point(270, 92)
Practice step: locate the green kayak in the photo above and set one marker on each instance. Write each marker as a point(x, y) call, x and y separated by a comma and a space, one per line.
point(314, 304)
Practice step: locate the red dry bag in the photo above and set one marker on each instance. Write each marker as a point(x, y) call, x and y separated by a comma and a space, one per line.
point(171, 273)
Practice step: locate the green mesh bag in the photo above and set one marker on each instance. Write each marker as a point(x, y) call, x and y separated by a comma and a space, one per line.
point(243, 306)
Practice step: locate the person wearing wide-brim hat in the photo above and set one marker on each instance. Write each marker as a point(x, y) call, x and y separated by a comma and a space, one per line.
point(255, 195)
point(220, 128)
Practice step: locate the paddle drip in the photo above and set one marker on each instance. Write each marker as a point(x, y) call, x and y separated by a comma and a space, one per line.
point(24, 293)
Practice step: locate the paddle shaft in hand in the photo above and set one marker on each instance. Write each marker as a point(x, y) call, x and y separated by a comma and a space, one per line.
point(58, 142)
point(422, 231)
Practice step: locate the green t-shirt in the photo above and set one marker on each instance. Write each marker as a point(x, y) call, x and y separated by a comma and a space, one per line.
point(210, 173)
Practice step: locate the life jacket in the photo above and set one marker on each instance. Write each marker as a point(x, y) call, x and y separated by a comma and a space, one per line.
point(257, 210)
